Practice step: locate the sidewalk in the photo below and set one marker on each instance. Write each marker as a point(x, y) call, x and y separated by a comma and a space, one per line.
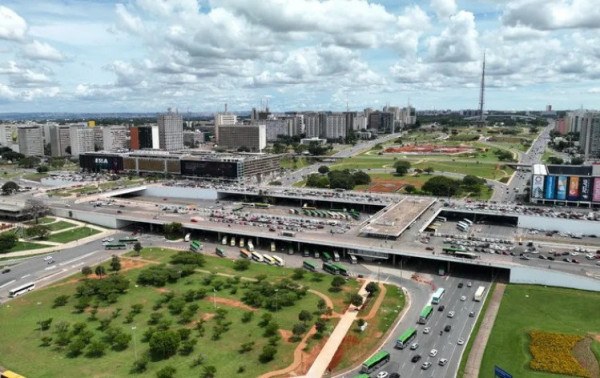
point(319, 367)
point(481, 339)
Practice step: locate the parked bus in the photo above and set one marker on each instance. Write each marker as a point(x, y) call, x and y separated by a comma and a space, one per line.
point(309, 207)
point(128, 240)
point(268, 259)
point(242, 243)
point(257, 256)
point(362, 376)
point(341, 269)
point(273, 247)
point(336, 256)
point(405, 339)
point(431, 228)
point(232, 241)
point(278, 261)
point(478, 296)
point(224, 241)
point(425, 314)
point(245, 254)
point(326, 256)
point(288, 233)
point(115, 246)
point(441, 219)
point(466, 255)
point(220, 252)
point(195, 246)
point(462, 224)
point(437, 296)
point(353, 259)
point(21, 290)
point(375, 362)
point(187, 237)
point(309, 265)
point(251, 246)
point(330, 268)
point(462, 227)
point(12, 374)
point(468, 221)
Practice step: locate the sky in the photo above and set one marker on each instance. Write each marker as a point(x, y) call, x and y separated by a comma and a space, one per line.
point(198, 55)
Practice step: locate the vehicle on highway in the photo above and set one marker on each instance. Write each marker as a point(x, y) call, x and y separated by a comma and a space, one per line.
point(460, 285)
point(426, 330)
point(21, 290)
point(469, 284)
point(478, 296)
point(5, 270)
point(433, 353)
point(443, 361)
point(394, 375)
point(472, 314)
point(425, 314)
point(404, 339)
point(437, 296)
point(414, 346)
point(451, 314)
point(447, 328)
point(463, 298)
point(441, 308)
point(426, 365)
point(375, 362)
point(460, 342)
point(415, 358)
point(382, 374)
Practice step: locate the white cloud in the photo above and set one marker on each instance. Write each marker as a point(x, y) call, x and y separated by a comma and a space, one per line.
point(457, 42)
point(443, 8)
point(42, 51)
point(553, 14)
point(12, 26)
point(128, 22)
point(164, 8)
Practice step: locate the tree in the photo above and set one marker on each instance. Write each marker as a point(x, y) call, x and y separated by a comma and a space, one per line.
point(9, 188)
point(173, 230)
point(317, 181)
point(60, 301)
point(336, 283)
point(577, 161)
point(555, 160)
point(76, 347)
point(95, 349)
point(371, 288)
point(7, 241)
point(304, 316)
point(361, 178)
point(45, 324)
point(34, 208)
point(86, 271)
point(42, 169)
point(356, 300)
point(410, 188)
point(137, 247)
point(402, 167)
point(341, 180)
point(428, 170)
point(441, 186)
point(320, 326)
point(139, 366)
point(164, 344)
point(298, 274)
point(40, 231)
point(267, 354)
point(115, 263)
point(29, 162)
point(68, 150)
point(323, 169)
point(166, 372)
point(209, 371)
point(243, 149)
point(299, 329)
point(100, 271)
point(279, 148)
point(241, 265)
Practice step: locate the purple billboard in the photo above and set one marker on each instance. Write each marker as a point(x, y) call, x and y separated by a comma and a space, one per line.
point(596, 190)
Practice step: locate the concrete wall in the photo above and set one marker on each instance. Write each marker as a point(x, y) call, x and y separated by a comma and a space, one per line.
point(104, 220)
point(560, 224)
point(530, 275)
point(179, 192)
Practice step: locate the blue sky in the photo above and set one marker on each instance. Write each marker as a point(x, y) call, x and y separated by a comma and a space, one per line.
point(147, 55)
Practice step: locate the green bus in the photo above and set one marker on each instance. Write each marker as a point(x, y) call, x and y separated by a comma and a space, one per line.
point(362, 376)
point(220, 252)
point(425, 314)
point(195, 246)
point(326, 256)
point(330, 268)
point(406, 338)
point(128, 240)
point(375, 362)
point(115, 246)
point(341, 269)
point(309, 265)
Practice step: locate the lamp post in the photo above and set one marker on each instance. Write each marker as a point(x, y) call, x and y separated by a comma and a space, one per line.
point(276, 300)
point(133, 336)
point(215, 297)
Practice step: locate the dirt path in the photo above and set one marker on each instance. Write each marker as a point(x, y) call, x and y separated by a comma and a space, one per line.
point(377, 304)
point(327, 300)
point(228, 302)
point(298, 358)
point(586, 358)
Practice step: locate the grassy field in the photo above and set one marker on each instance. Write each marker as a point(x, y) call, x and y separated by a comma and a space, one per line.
point(44, 220)
point(71, 235)
point(24, 246)
point(289, 163)
point(60, 225)
point(18, 322)
point(525, 308)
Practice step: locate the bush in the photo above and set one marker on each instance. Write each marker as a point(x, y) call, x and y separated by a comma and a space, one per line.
point(241, 265)
point(96, 349)
point(158, 276)
point(188, 258)
point(164, 344)
point(267, 354)
point(140, 366)
point(166, 372)
point(247, 316)
point(60, 301)
point(551, 353)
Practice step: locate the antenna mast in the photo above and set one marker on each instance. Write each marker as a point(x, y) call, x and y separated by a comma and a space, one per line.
point(482, 90)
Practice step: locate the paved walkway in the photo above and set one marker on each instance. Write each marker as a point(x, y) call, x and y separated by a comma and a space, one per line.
point(481, 339)
point(319, 367)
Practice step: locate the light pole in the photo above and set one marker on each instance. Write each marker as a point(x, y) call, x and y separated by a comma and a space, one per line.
point(378, 270)
point(276, 300)
point(215, 297)
point(133, 336)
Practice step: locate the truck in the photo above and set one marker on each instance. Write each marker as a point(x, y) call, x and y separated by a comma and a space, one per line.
point(250, 246)
point(336, 256)
point(187, 237)
point(353, 259)
point(478, 296)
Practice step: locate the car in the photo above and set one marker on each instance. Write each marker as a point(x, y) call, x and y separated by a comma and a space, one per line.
point(451, 314)
point(441, 308)
point(426, 365)
point(47, 258)
point(575, 261)
point(394, 375)
point(525, 258)
point(429, 248)
point(463, 298)
point(382, 374)
point(460, 285)
point(460, 342)
point(416, 358)
point(426, 330)
point(566, 259)
point(472, 314)
point(433, 353)
point(414, 346)
point(469, 284)
point(111, 239)
point(447, 328)
point(104, 240)
point(443, 361)
point(5, 270)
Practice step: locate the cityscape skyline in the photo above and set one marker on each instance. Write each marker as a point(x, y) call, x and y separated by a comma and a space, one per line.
point(147, 55)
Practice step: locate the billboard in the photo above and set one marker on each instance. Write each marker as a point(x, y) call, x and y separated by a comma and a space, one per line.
point(561, 188)
point(550, 192)
point(586, 189)
point(573, 193)
point(596, 191)
point(537, 188)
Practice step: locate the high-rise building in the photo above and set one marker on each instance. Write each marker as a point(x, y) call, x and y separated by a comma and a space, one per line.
point(573, 120)
point(359, 122)
point(193, 138)
point(141, 137)
point(115, 138)
point(589, 136)
point(312, 125)
point(8, 136)
point(560, 126)
point(82, 140)
point(60, 139)
point(254, 137)
point(31, 142)
point(98, 138)
point(335, 126)
point(170, 131)
point(381, 122)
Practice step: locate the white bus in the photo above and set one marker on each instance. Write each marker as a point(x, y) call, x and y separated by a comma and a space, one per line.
point(441, 219)
point(478, 296)
point(21, 290)
point(462, 227)
point(224, 241)
point(250, 246)
point(461, 223)
point(257, 256)
point(336, 256)
point(353, 259)
point(268, 259)
point(232, 241)
point(278, 261)
point(273, 247)
point(242, 243)
point(187, 237)
point(468, 221)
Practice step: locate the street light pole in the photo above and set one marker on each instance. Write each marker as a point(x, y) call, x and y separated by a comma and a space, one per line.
point(276, 300)
point(134, 347)
point(215, 297)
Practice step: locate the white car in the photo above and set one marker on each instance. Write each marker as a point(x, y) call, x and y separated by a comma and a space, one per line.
point(382, 374)
point(414, 346)
point(433, 353)
point(469, 284)
point(463, 298)
point(47, 258)
point(451, 314)
point(461, 341)
point(111, 239)
point(104, 240)
point(443, 361)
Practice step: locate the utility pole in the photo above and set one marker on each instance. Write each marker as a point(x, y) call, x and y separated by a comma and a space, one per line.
point(482, 91)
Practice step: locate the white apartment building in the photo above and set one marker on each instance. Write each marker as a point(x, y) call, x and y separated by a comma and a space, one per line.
point(31, 141)
point(115, 138)
point(82, 140)
point(60, 139)
point(312, 125)
point(170, 131)
point(335, 126)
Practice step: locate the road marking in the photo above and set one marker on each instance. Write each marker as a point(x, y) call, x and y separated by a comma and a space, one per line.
point(76, 265)
point(8, 283)
point(50, 267)
point(78, 258)
point(27, 275)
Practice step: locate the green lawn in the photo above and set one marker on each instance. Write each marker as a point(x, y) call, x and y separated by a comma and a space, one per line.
point(18, 322)
point(291, 163)
point(60, 225)
point(527, 307)
point(24, 246)
point(71, 235)
point(485, 170)
point(35, 176)
point(44, 220)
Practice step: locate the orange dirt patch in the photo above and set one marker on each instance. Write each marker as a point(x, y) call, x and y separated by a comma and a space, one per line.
point(302, 360)
point(377, 304)
point(428, 149)
point(128, 264)
point(348, 344)
point(229, 302)
point(285, 334)
point(386, 186)
point(161, 290)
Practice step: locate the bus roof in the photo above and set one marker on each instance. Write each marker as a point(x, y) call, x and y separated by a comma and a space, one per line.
point(439, 291)
point(426, 310)
point(376, 357)
point(407, 333)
